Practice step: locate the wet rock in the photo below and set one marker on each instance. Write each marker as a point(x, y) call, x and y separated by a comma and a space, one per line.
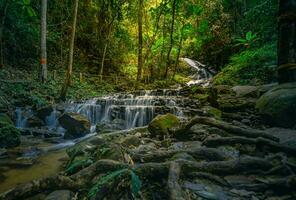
point(278, 106)
point(159, 126)
point(60, 195)
point(144, 148)
point(44, 112)
point(212, 112)
point(131, 140)
point(249, 91)
point(34, 121)
point(76, 125)
point(183, 156)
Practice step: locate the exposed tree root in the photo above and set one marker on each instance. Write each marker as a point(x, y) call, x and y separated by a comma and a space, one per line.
point(260, 142)
point(173, 182)
point(235, 130)
point(202, 153)
point(246, 165)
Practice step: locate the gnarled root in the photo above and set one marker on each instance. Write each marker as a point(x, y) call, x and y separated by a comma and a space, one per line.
point(235, 130)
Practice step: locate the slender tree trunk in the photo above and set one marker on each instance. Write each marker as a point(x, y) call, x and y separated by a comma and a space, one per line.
point(178, 55)
point(1, 34)
point(140, 35)
point(105, 49)
point(43, 59)
point(171, 40)
point(70, 64)
point(287, 41)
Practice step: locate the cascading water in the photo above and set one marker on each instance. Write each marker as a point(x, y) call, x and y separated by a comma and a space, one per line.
point(125, 111)
point(115, 112)
point(202, 75)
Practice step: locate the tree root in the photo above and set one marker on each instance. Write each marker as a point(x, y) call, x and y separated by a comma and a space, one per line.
point(259, 142)
point(144, 171)
point(202, 153)
point(173, 179)
point(250, 133)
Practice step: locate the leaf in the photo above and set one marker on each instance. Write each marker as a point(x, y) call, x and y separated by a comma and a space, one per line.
point(249, 35)
point(135, 184)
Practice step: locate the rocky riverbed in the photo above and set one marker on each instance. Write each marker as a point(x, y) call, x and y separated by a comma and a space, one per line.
point(219, 149)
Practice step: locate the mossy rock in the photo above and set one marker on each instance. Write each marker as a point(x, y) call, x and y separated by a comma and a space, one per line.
point(109, 151)
point(9, 135)
point(202, 98)
point(160, 125)
point(212, 112)
point(278, 106)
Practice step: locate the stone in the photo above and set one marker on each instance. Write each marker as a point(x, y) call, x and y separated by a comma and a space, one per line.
point(212, 112)
point(278, 106)
point(60, 195)
point(76, 125)
point(160, 125)
point(131, 140)
point(44, 112)
point(246, 90)
point(35, 122)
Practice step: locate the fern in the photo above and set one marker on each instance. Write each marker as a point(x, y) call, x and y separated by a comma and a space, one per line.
point(77, 165)
point(135, 182)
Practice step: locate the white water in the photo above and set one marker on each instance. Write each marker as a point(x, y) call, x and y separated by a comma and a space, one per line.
point(126, 111)
point(119, 111)
point(201, 75)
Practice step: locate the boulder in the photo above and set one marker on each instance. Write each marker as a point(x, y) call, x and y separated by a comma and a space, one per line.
point(160, 125)
point(34, 122)
point(60, 195)
point(44, 112)
point(76, 125)
point(212, 112)
point(278, 106)
point(9, 135)
point(246, 90)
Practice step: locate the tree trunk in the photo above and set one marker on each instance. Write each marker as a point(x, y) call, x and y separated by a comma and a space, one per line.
point(171, 40)
point(287, 41)
point(178, 55)
point(140, 48)
point(43, 59)
point(1, 34)
point(70, 64)
point(105, 50)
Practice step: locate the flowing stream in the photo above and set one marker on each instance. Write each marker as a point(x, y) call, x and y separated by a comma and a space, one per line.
point(116, 112)
point(201, 74)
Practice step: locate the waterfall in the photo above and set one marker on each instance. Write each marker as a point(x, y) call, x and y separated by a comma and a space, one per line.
point(201, 75)
point(117, 111)
point(126, 111)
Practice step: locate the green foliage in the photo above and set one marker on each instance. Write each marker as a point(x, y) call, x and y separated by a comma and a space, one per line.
point(111, 178)
point(77, 165)
point(252, 66)
point(9, 135)
point(249, 39)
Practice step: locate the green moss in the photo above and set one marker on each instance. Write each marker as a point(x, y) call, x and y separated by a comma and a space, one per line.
point(162, 123)
point(203, 98)
point(9, 135)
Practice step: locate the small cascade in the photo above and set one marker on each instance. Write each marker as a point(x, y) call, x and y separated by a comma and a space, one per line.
point(114, 112)
point(22, 116)
point(126, 111)
point(202, 75)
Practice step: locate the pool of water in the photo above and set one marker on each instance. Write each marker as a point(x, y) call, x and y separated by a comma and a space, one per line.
point(46, 165)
